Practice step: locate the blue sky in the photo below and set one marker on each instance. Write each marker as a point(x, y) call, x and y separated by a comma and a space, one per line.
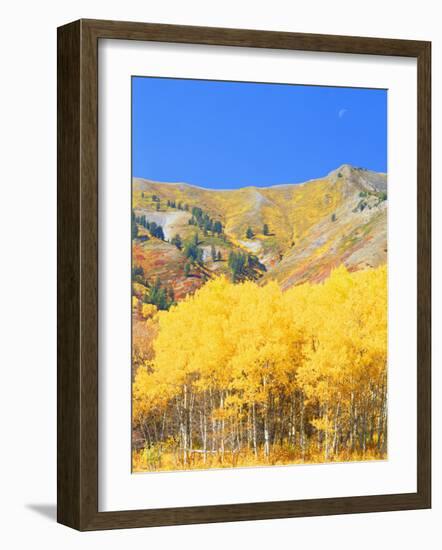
point(226, 135)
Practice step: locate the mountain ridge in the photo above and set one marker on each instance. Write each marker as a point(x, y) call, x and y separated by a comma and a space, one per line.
point(341, 168)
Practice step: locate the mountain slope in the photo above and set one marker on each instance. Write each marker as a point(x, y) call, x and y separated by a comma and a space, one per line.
point(313, 227)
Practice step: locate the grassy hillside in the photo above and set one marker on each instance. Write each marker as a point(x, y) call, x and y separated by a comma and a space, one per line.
point(290, 233)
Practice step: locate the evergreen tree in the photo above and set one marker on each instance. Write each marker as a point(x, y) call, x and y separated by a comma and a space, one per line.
point(265, 229)
point(187, 269)
point(199, 255)
point(137, 271)
point(217, 227)
point(154, 294)
point(159, 234)
point(218, 256)
point(177, 241)
point(249, 233)
point(197, 212)
point(162, 302)
point(252, 260)
point(191, 251)
point(213, 253)
point(158, 296)
point(237, 263)
point(134, 230)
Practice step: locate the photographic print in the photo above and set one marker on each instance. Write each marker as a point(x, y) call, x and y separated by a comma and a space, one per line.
point(259, 274)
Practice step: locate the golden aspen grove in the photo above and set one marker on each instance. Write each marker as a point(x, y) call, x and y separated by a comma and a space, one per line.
point(247, 374)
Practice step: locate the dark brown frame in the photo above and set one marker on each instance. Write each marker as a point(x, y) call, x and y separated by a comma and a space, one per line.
point(77, 225)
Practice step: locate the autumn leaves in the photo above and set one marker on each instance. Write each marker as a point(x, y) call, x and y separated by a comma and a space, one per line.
point(243, 374)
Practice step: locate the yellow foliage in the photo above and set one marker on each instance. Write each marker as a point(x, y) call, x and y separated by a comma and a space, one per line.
point(148, 310)
point(307, 366)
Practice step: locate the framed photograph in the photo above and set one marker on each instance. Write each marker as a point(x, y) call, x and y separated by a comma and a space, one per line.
point(243, 275)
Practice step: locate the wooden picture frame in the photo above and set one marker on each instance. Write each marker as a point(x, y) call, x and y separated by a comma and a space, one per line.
point(77, 227)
